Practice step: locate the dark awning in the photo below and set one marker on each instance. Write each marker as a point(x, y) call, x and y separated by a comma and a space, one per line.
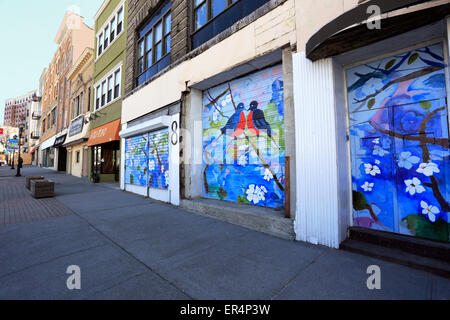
point(60, 141)
point(348, 31)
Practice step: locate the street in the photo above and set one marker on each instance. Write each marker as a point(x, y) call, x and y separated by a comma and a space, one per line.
point(129, 247)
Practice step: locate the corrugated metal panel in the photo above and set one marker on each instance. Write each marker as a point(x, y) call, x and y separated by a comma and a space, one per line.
point(158, 159)
point(136, 161)
point(243, 140)
point(317, 203)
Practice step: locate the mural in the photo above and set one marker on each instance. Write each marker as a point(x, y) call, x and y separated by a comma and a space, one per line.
point(243, 140)
point(400, 145)
point(147, 160)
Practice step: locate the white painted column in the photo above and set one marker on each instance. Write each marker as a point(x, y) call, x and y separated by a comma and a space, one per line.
point(122, 159)
point(318, 205)
point(174, 166)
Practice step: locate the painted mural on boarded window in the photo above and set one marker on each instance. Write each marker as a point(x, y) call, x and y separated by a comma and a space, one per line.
point(147, 160)
point(243, 140)
point(136, 160)
point(400, 145)
point(158, 159)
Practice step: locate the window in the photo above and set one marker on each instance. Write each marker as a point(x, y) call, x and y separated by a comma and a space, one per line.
point(103, 93)
point(48, 122)
point(206, 10)
point(89, 100)
point(154, 44)
point(117, 81)
point(100, 44)
point(120, 20)
point(97, 98)
point(106, 37)
point(110, 31)
point(43, 126)
point(113, 29)
point(110, 88)
point(53, 117)
point(78, 156)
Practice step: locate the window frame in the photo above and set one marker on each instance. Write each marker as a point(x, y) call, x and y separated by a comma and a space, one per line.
point(164, 52)
point(109, 39)
point(104, 80)
point(209, 12)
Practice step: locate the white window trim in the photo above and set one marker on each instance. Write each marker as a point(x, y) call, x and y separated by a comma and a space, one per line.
point(105, 78)
point(108, 24)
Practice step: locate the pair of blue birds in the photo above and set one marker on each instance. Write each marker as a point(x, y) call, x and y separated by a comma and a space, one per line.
point(255, 121)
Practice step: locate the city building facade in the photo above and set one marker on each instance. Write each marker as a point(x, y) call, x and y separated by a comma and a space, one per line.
point(108, 90)
point(370, 85)
point(72, 38)
point(81, 80)
point(208, 116)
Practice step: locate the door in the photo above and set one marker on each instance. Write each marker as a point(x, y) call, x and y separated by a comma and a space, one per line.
point(399, 143)
point(244, 140)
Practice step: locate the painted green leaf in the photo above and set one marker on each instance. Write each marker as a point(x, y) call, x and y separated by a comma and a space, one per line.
point(138, 168)
point(371, 103)
point(413, 58)
point(222, 193)
point(359, 201)
point(422, 227)
point(390, 64)
point(131, 179)
point(425, 104)
point(243, 200)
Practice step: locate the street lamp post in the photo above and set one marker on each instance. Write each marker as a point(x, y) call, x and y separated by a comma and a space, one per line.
point(14, 152)
point(19, 159)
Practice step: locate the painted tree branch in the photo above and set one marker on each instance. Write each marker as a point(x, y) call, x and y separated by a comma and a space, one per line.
point(157, 152)
point(445, 206)
point(410, 76)
point(442, 142)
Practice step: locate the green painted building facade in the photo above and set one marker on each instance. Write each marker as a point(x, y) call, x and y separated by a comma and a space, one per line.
point(108, 89)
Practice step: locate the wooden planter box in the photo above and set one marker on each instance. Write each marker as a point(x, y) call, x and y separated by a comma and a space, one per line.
point(42, 189)
point(27, 184)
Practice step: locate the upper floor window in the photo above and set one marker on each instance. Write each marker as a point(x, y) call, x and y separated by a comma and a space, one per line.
point(154, 44)
point(206, 10)
point(211, 17)
point(108, 89)
point(110, 31)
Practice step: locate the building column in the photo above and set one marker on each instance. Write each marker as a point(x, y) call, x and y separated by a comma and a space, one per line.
point(323, 170)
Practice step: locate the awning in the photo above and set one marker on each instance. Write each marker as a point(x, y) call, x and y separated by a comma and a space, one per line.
point(104, 134)
point(60, 141)
point(349, 31)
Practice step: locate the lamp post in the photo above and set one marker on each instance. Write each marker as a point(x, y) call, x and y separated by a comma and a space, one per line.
point(14, 152)
point(19, 159)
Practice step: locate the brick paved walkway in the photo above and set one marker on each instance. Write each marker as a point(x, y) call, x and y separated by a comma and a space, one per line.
point(17, 205)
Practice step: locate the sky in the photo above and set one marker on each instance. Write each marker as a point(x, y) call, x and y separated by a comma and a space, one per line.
point(27, 31)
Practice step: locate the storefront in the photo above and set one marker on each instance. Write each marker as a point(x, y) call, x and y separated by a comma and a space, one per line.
point(150, 149)
point(77, 148)
point(382, 110)
point(62, 151)
point(104, 142)
point(48, 154)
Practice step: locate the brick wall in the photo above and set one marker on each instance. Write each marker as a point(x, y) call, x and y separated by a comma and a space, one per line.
point(138, 12)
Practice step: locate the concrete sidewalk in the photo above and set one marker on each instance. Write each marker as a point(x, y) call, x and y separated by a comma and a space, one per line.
point(129, 247)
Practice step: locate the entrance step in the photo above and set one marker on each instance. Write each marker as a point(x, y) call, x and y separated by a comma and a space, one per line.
point(256, 218)
point(426, 255)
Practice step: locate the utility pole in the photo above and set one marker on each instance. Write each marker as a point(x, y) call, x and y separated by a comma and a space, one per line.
point(14, 152)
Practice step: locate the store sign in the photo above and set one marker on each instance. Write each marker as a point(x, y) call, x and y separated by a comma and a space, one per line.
point(76, 126)
point(59, 141)
point(1, 130)
point(13, 144)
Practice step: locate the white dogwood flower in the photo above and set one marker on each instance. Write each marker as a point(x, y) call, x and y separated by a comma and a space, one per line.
point(242, 160)
point(414, 186)
point(428, 169)
point(379, 151)
point(268, 175)
point(372, 170)
point(429, 210)
point(367, 186)
point(406, 160)
point(151, 165)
